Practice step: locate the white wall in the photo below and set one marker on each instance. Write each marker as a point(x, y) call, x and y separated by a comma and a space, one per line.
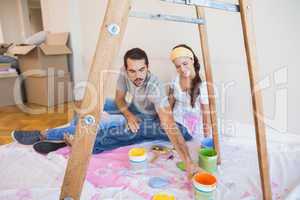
point(1, 33)
point(23, 14)
point(14, 15)
point(277, 31)
point(277, 28)
point(11, 25)
point(36, 23)
point(55, 15)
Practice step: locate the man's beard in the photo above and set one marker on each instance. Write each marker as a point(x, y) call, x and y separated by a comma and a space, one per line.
point(138, 82)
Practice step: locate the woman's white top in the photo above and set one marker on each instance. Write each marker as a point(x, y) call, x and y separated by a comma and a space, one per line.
point(183, 112)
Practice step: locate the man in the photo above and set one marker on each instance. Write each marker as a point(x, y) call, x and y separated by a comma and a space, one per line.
point(147, 117)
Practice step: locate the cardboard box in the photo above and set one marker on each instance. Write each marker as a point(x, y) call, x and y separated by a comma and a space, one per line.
point(10, 93)
point(49, 90)
point(53, 53)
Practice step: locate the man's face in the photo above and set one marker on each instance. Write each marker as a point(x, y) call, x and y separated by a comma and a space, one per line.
point(137, 71)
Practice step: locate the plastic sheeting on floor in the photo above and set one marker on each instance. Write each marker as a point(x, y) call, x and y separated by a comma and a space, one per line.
point(26, 175)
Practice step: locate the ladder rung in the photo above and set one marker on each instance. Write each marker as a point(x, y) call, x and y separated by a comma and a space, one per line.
point(209, 4)
point(166, 17)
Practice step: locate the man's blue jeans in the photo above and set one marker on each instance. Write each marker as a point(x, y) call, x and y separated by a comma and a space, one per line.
point(113, 132)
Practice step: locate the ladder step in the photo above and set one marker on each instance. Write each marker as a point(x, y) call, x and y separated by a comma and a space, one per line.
point(166, 17)
point(209, 4)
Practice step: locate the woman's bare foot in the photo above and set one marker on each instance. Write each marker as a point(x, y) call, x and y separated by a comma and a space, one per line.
point(69, 139)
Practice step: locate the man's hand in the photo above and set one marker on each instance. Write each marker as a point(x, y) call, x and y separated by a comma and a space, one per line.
point(133, 122)
point(191, 169)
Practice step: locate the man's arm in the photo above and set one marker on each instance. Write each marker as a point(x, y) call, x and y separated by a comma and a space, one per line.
point(132, 120)
point(170, 127)
point(120, 101)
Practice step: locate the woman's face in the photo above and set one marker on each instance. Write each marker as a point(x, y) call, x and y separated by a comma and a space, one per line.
point(185, 67)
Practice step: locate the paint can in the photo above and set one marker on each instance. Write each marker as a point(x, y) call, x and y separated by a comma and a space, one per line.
point(204, 185)
point(138, 158)
point(208, 159)
point(163, 196)
point(207, 143)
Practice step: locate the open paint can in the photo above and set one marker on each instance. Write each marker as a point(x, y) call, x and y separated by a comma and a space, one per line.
point(204, 185)
point(207, 143)
point(208, 159)
point(163, 196)
point(138, 158)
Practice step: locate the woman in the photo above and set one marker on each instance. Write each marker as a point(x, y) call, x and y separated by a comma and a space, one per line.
point(187, 93)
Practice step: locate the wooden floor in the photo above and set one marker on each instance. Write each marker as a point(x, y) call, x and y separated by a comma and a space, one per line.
point(13, 118)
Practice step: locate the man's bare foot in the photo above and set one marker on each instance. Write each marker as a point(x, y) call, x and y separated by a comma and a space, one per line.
point(69, 139)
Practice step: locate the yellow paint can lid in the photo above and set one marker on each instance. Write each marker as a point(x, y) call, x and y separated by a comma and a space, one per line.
point(136, 152)
point(163, 196)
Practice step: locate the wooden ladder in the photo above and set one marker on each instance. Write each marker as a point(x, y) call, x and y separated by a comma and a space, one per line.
point(110, 38)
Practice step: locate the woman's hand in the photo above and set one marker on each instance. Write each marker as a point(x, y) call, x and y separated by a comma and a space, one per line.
point(191, 169)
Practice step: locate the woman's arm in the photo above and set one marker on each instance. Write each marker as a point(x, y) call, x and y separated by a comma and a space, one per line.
point(176, 138)
point(171, 97)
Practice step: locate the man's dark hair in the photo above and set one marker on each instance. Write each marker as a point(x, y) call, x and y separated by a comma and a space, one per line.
point(136, 54)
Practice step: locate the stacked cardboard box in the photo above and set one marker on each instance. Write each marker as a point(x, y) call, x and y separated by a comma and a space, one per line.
point(45, 70)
